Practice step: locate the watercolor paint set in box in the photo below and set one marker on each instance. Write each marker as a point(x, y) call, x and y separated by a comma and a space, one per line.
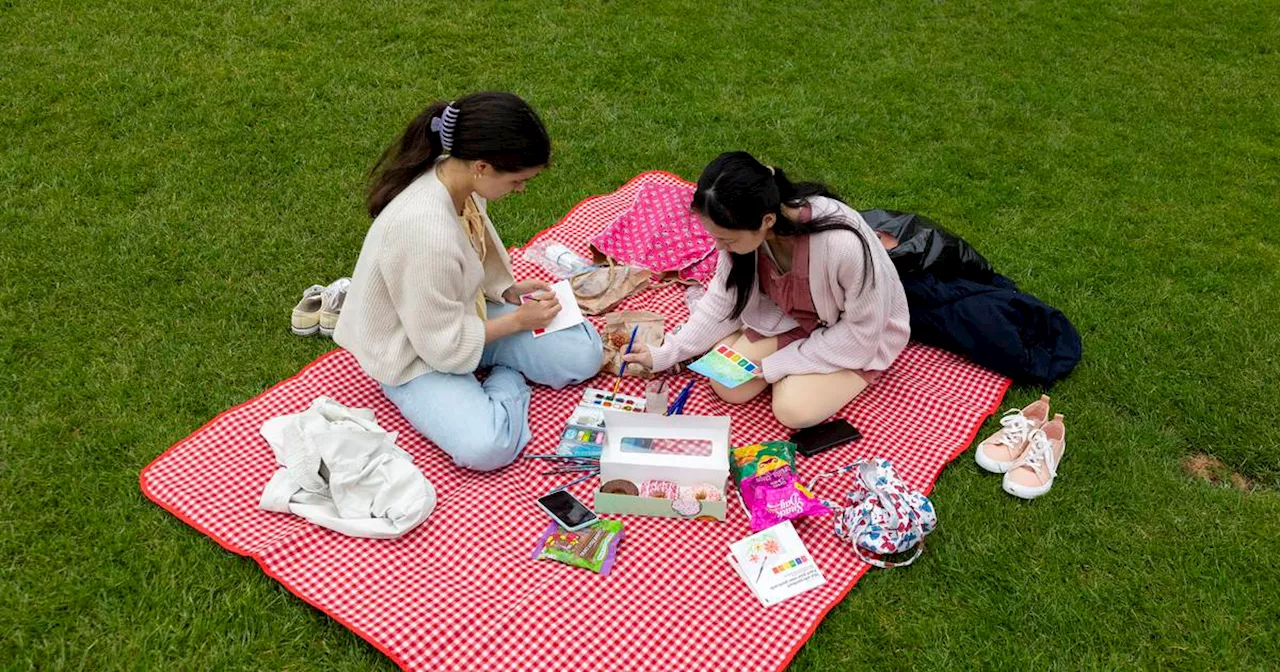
point(584, 434)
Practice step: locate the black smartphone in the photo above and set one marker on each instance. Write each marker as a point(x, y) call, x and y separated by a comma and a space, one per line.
point(828, 435)
point(566, 510)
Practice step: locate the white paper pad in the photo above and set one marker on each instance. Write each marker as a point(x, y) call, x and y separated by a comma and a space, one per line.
point(570, 315)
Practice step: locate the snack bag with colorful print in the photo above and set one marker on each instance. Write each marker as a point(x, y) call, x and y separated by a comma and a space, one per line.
point(760, 458)
point(592, 548)
point(775, 496)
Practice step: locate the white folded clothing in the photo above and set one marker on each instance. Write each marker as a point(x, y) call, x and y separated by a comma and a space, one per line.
point(340, 470)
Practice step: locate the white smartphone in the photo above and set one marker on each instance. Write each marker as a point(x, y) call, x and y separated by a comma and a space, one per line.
point(566, 510)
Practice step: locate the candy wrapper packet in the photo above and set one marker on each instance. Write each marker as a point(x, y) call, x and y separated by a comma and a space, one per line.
point(758, 458)
point(592, 548)
point(776, 496)
point(766, 478)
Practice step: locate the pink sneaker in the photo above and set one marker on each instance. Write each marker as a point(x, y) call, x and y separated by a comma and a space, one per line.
point(1033, 475)
point(998, 452)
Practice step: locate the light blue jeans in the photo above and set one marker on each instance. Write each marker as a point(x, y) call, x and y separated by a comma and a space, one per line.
point(484, 426)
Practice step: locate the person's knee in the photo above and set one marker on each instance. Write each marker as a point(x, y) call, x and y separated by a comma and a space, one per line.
point(579, 361)
point(586, 360)
point(795, 413)
point(738, 395)
point(479, 450)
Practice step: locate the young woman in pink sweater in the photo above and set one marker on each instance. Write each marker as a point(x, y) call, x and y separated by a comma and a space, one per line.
point(803, 287)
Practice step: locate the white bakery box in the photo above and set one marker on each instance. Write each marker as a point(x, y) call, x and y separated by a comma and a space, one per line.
point(670, 466)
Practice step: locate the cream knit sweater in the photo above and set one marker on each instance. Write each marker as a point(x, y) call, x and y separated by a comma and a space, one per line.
point(411, 306)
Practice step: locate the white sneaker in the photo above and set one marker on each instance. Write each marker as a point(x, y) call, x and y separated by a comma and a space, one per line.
point(331, 307)
point(998, 452)
point(1033, 475)
point(305, 320)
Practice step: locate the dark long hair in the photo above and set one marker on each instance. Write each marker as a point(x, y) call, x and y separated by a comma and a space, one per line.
point(494, 126)
point(736, 191)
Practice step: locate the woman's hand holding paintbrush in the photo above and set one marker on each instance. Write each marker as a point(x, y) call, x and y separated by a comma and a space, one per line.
point(639, 354)
point(623, 369)
point(516, 293)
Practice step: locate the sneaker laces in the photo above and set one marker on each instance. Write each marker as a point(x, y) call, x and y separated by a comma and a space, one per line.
point(1041, 452)
point(333, 293)
point(337, 287)
point(311, 301)
point(1016, 425)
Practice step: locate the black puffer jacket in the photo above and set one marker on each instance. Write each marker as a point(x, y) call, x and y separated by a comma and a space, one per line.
point(960, 304)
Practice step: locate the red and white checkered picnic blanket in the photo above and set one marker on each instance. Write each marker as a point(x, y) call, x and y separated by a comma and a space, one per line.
point(461, 592)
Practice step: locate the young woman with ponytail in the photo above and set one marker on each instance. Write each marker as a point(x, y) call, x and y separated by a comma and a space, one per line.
point(803, 287)
point(433, 298)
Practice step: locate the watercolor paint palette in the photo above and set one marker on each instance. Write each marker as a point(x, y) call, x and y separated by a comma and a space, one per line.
point(606, 399)
point(587, 416)
point(583, 434)
point(581, 442)
point(726, 366)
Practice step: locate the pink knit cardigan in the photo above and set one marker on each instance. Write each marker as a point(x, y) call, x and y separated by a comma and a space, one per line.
point(858, 330)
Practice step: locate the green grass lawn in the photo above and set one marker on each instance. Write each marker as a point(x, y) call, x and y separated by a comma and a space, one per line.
point(174, 174)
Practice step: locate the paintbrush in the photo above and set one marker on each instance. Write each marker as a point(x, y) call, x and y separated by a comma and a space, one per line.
point(587, 476)
point(572, 470)
point(623, 369)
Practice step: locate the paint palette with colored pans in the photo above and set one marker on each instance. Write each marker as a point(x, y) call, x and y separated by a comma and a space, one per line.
point(587, 416)
point(605, 399)
point(581, 442)
point(584, 430)
point(726, 366)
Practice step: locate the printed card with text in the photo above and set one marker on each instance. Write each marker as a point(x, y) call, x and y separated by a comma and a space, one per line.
point(775, 564)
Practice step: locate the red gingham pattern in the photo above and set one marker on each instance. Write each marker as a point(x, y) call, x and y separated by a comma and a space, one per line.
point(461, 592)
point(697, 447)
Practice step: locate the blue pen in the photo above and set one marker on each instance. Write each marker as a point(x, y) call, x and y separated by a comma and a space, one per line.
point(674, 408)
point(677, 406)
point(623, 368)
point(684, 400)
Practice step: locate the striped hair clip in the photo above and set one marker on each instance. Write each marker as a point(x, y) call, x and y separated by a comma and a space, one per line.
point(444, 125)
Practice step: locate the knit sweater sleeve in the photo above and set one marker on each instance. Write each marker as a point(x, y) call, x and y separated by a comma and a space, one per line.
point(853, 341)
point(708, 323)
point(423, 273)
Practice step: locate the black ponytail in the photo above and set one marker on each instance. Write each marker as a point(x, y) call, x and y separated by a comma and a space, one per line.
point(497, 127)
point(736, 191)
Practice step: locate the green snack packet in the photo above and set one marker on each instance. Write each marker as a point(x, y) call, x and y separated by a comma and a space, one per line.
point(592, 548)
point(746, 461)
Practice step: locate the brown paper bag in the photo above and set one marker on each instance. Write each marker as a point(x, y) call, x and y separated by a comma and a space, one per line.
point(617, 333)
point(599, 291)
